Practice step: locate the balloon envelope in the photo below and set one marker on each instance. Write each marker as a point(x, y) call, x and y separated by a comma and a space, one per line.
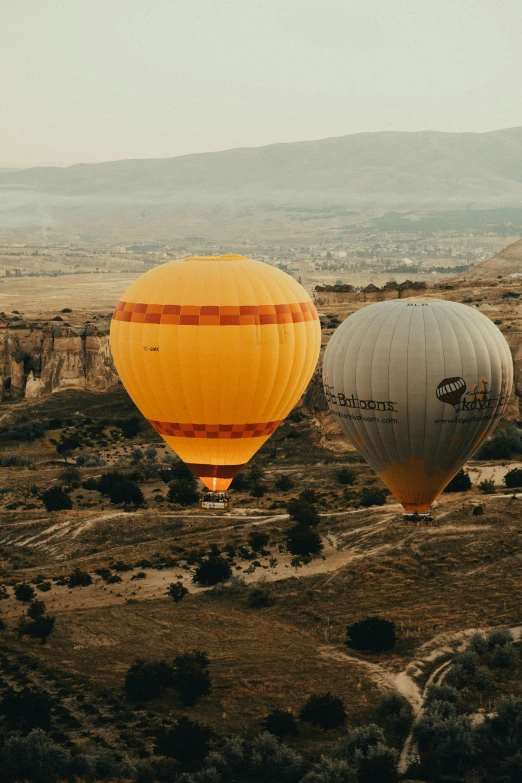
point(416, 386)
point(215, 352)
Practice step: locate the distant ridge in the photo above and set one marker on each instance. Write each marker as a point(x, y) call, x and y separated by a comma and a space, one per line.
point(387, 165)
point(273, 190)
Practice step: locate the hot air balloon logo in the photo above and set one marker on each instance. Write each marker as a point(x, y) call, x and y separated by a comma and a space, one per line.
point(451, 390)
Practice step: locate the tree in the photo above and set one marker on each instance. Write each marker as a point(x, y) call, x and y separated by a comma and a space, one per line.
point(179, 470)
point(79, 578)
point(272, 761)
point(126, 492)
point(191, 676)
point(148, 679)
point(55, 499)
point(258, 539)
point(447, 746)
point(359, 741)
point(302, 541)
point(281, 723)
point(371, 635)
point(67, 444)
point(460, 482)
point(505, 657)
point(303, 514)
point(379, 765)
point(513, 478)
point(503, 732)
point(130, 426)
point(284, 483)
point(187, 741)
point(211, 571)
point(332, 771)
point(240, 483)
point(24, 592)
point(499, 637)
point(35, 757)
point(345, 476)
point(503, 445)
point(256, 474)
point(36, 609)
point(26, 709)
point(324, 710)
point(183, 492)
point(40, 628)
point(372, 496)
point(177, 591)
point(71, 477)
point(258, 490)
point(136, 455)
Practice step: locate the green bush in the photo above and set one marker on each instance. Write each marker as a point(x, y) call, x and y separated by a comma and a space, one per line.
point(191, 676)
point(148, 679)
point(183, 492)
point(35, 757)
point(240, 483)
point(79, 578)
point(258, 539)
point(506, 657)
point(302, 513)
point(26, 709)
point(345, 476)
point(281, 723)
point(324, 710)
point(186, 741)
point(302, 541)
point(177, 591)
point(27, 431)
point(55, 499)
point(24, 592)
point(460, 482)
point(374, 634)
point(372, 496)
point(513, 478)
point(499, 637)
point(211, 571)
point(487, 487)
point(284, 483)
point(503, 445)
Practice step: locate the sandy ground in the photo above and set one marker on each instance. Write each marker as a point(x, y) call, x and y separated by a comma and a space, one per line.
point(42, 295)
point(495, 472)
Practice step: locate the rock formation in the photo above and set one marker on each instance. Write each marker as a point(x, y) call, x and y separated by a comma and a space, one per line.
point(38, 358)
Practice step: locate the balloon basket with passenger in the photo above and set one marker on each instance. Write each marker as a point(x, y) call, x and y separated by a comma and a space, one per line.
point(215, 500)
point(417, 519)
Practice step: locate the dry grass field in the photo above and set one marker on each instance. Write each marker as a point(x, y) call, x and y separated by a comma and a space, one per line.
point(437, 583)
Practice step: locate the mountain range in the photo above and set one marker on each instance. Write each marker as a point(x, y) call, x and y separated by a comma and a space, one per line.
point(275, 188)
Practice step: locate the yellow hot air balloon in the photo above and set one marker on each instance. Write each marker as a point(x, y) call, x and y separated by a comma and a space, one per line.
point(416, 387)
point(215, 352)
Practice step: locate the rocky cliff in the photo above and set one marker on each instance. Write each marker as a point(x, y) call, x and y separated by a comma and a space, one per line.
point(38, 358)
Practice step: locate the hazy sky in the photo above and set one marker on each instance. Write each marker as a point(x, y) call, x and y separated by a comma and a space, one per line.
point(92, 80)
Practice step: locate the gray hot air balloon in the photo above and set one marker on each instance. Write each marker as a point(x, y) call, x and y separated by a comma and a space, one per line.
point(416, 386)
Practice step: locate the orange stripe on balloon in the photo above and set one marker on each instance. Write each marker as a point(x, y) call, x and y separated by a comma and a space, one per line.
point(214, 471)
point(214, 315)
point(228, 431)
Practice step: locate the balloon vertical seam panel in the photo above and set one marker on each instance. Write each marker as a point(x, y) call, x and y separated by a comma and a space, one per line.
point(439, 383)
point(215, 350)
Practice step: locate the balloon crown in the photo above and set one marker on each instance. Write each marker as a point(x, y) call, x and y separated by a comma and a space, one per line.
point(228, 257)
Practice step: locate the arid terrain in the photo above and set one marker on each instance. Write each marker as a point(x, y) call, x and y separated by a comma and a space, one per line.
point(439, 583)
